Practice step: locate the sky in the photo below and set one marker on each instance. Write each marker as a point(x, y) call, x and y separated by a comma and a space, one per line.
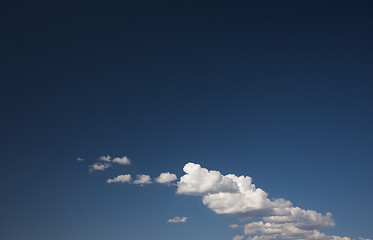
point(213, 120)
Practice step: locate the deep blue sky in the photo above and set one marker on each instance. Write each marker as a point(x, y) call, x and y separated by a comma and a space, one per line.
point(281, 91)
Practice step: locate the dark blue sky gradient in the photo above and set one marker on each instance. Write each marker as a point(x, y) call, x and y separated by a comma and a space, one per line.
point(281, 91)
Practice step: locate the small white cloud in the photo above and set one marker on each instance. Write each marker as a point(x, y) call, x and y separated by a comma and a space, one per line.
point(234, 226)
point(120, 179)
point(123, 160)
point(361, 238)
point(105, 158)
point(99, 167)
point(142, 179)
point(177, 220)
point(238, 237)
point(80, 159)
point(166, 178)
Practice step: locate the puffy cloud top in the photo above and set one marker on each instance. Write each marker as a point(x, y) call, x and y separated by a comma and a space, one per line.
point(200, 181)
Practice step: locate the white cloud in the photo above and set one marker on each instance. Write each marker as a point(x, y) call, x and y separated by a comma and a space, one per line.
point(237, 195)
point(120, 179)
point(227, 194)
point(200, 181)
point(266, 230)
point(123, 160)
point(99, 167)
point(238, 237)
point(105, 158)
point(80, 159)
point(142, 179)
point(234, 226)
point(177, 220)
point(166, 178)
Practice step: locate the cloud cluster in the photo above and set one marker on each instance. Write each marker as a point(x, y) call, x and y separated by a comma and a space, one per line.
point(142, 179)
point(237, 195)
point(177, 220)
point(105, 162)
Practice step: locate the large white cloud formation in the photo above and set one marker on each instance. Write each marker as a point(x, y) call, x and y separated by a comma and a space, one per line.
point(237, 195)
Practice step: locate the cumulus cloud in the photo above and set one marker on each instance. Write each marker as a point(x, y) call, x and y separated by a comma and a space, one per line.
point(80, 159)
point(166, 178)
point(200, 181)
point(120, 179)
point(238, 196)
point(123, 160)
point(177, 220)
point(105, 158)
point(142, 179)
point(99, 166)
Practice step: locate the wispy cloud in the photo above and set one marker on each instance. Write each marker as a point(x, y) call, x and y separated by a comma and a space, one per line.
point(234, 226)
point(177, 220)
point(142, 179)
point(238, 237)
point(360, 238)
point(120, 179)
point(80, 159)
